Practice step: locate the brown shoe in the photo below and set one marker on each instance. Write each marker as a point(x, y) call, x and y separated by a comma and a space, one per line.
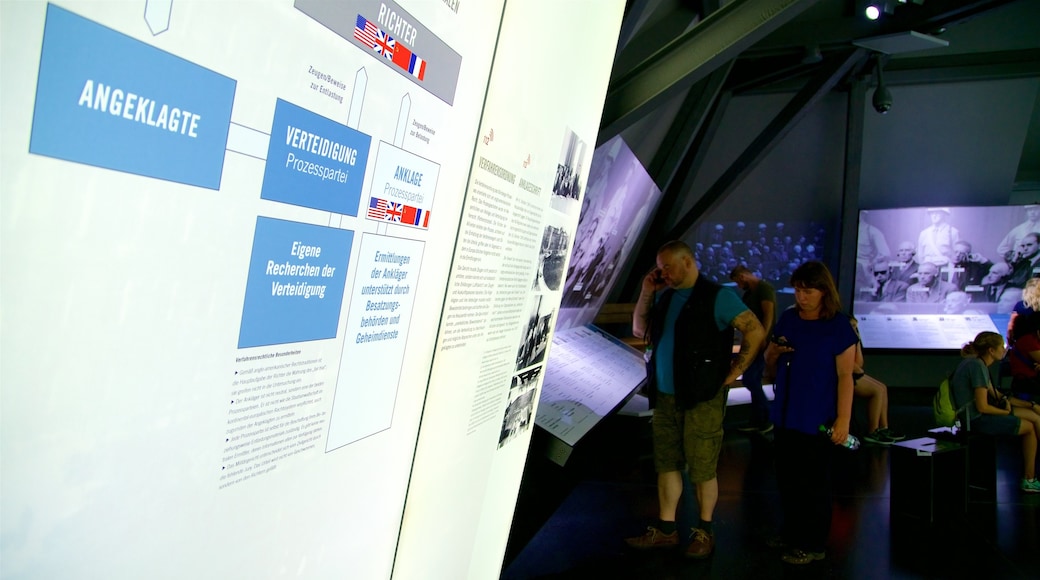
point(654, 538)
point(702, 544)
point(800, 557)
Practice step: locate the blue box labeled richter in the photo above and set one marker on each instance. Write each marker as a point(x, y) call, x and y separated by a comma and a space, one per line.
point(108, 100)
point(314, 162)
point(294, 292)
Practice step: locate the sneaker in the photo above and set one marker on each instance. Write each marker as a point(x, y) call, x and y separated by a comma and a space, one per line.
point(654, 538)
point(796, 556)
point(893, 435)
point(1031, 485)
point(878, 437)
point(702, 544)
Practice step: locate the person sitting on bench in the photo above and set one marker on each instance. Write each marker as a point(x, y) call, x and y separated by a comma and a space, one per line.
point(991, 412)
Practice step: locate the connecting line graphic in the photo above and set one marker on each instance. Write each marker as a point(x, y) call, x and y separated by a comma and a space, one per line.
point(247, 141)
point(241, 139)
point(157, 15)
point(255, 144)
point(354, 118)
point(400, 131)
point(394, 168)
point(357, 99)
point(402, 120)
point(357, 103)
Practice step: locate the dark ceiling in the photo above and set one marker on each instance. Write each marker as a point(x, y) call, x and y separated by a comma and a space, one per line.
point(711, 52)
point(680, 62)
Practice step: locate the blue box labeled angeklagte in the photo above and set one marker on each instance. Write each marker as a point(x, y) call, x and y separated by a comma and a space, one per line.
point(108, 100)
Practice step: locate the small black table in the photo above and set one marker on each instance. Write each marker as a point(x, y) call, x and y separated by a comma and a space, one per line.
point(929, 480)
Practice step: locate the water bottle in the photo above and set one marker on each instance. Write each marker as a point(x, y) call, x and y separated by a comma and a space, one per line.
point(851, 441)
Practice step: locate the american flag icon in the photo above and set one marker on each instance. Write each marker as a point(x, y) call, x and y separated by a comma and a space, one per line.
point(377, 208)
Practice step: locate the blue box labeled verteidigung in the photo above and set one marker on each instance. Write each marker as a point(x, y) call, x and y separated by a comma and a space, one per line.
point(108, 100)
point(314, 162)
point(295, 286)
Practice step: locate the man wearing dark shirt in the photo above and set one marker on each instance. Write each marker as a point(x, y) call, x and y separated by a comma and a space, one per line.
point(1027, 263)
point(675, 302)
point(887, 289)
point(760, 298)
point(968, 268)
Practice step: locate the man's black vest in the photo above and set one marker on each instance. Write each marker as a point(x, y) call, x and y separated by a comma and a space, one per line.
point(702, 352)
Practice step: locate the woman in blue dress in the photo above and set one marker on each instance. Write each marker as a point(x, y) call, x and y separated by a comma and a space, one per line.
point(812, 357)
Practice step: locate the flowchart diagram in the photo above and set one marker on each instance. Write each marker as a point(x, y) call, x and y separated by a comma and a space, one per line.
point(108, 100)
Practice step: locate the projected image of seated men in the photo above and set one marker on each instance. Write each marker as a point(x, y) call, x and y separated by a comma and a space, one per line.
point(885, 288)
point(952, 265)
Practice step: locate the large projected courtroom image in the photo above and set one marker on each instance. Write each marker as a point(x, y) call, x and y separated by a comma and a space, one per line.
point(933, 277)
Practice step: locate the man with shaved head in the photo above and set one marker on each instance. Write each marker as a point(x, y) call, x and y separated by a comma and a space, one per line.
point(689, 323)
point(929, 287)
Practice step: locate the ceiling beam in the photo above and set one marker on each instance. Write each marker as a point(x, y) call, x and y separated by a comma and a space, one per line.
point(681, 154)
point(848, 266)
point(982, 66)
point(630, 22)
point(686, 126)
point(1006, 64)
point(644, 41)
point(828, 76)
point(927, 18)
point(690, 57)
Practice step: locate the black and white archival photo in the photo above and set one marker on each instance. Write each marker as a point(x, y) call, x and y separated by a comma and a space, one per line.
point(534, 336)
point(552, 255)
point(518, 416)
point(567, 186)
point(525, 380)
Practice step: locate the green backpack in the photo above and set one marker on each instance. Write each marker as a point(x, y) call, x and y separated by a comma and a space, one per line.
point(943, 406)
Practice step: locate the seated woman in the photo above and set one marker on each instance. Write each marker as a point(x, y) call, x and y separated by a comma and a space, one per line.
point(1024, 310)
point(1024, 358)
point(990, 412)
point(876, 394)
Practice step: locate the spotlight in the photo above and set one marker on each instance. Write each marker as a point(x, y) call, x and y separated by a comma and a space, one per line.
point(873, 9)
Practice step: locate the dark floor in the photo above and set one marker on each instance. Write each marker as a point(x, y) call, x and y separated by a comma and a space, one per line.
point(571, 520)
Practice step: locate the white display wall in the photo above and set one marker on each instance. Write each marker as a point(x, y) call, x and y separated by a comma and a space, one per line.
point(228, 230)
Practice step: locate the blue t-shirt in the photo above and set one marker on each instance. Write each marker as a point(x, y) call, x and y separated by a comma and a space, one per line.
point(1021, 309)
point(727, 307)
point(807, 379)
point(971, 374)
point(1023, 324)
